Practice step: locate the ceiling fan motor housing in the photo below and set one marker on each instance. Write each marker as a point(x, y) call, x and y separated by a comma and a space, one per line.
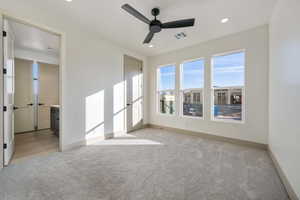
point(155, 26)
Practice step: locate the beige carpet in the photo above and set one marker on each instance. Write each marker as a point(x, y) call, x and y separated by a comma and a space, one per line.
point(150, 164)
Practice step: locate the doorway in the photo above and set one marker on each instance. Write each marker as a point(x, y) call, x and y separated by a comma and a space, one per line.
point(133, 77)
point(31, 90)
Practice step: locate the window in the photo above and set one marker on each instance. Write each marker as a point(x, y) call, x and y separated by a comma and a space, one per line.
point(192, 83)
point(35, 75)
point(228, 86)
point(166, 89)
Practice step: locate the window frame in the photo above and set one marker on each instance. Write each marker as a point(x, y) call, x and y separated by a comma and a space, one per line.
point(212, 89)
point(157, 91)
point(181, 91)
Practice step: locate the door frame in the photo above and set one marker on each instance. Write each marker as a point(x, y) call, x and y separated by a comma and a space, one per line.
point(62, 74)
point(125, 90)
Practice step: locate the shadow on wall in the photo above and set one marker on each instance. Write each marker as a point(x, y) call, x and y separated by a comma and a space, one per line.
point(95, 110)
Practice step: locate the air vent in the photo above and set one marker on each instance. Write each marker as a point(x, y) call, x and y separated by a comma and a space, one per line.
point(179, 36)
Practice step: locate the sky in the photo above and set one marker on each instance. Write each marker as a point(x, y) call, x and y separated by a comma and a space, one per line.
point(227, 71)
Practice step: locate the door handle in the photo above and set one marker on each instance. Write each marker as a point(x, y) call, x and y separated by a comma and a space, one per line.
point(19, 107)
point(41, 104)
point(128, 104)
point(30, 104)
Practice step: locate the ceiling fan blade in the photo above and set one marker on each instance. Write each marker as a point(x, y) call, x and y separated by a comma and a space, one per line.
point(179, 23)
point(136, 13)
point(148, 38)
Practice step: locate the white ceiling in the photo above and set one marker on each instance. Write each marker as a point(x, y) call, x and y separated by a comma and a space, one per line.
point(31, 38)
point(108, 19)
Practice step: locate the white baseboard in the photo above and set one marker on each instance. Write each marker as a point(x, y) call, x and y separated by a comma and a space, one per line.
point(85, 142)
point(213, 137)
point(74, 145)
point(292, 194)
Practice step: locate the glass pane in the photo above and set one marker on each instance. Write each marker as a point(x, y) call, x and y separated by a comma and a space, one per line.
point(228, 103)
point(9, 85)
point(166, 78)
point(35, 87)
point(228, 83)
point(35, 75)
point(35, 70)
point(10, 68)
point(192, 103)
point(167, 102)
point(192, 74)
point(228, 70)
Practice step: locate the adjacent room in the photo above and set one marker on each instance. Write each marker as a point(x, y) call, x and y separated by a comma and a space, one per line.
point(35, 91)
point(153, 100)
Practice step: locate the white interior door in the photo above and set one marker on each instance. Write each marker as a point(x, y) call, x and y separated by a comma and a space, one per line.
point(133, 75)
point(24, 112)
point(8, 95)
point(48, 92)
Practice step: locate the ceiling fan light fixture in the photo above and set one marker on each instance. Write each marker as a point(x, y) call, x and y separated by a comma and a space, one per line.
point(151, 46)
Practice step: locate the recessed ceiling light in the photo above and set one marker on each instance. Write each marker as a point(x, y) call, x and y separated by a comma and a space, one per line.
point(225, 20)
point(68, 0)
point(150, 45)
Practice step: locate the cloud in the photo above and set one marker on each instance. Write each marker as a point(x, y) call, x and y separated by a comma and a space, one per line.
point(235, 69)
point(193, 71)
point(167, 74)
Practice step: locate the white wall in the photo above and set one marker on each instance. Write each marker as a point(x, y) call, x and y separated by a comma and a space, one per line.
point(284, 108)
point(255, 128)
point(92, 65)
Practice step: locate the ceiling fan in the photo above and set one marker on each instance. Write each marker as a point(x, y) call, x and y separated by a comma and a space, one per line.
point(155, 25)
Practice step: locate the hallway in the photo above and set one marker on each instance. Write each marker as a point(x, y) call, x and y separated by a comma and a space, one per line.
point(34, 143)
